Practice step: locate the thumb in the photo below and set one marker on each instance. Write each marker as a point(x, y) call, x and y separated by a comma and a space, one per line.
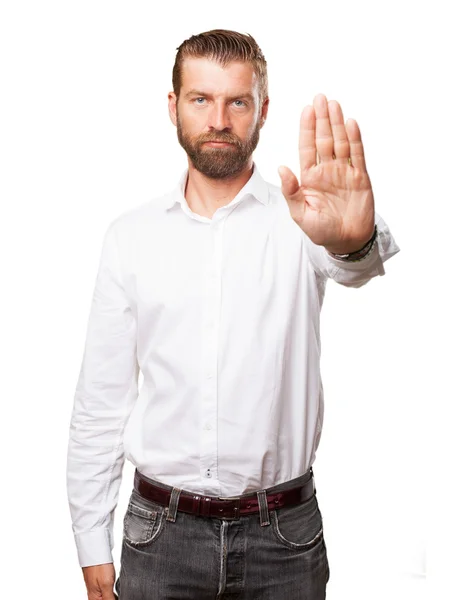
point(108, 594)
point(107, 591)
point(289, 183)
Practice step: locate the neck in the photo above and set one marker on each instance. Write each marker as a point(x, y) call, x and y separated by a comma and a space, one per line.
point(204, 195)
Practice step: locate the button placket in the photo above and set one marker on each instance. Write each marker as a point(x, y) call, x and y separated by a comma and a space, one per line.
point(210, 327)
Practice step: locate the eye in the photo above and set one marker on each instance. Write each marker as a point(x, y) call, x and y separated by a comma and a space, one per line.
point(198, 99)
point(241, 101)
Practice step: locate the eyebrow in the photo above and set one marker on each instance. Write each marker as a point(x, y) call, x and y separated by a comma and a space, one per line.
point(194, 92)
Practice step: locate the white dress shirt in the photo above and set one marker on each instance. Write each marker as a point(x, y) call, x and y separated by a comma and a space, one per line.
point(222, 317)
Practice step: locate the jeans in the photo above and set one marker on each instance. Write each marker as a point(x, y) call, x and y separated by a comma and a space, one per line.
point(270, 555)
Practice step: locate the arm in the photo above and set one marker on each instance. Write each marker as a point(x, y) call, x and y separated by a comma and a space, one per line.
point(106, 391)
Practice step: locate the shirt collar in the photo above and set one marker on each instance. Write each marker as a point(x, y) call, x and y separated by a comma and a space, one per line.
point(256, 186)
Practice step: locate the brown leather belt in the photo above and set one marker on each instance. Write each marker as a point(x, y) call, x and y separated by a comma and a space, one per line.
point(225, 508)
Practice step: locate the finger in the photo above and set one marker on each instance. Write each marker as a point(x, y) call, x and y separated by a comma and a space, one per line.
point(323, 133)
point(355, 142)
point(107, 590)
point(292, 191)
point(340, 137)
point(108, 594)
point(289, 183)
point(307, 149)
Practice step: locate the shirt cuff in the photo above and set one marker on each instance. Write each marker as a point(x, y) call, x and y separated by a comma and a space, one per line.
point(94, 547)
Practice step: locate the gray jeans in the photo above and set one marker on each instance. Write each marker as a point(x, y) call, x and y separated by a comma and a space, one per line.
point(270, 555)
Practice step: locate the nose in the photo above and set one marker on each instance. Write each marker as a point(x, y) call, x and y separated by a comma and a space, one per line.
point(219, 117)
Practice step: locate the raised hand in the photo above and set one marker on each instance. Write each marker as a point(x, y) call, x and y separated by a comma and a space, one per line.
point(334, 203)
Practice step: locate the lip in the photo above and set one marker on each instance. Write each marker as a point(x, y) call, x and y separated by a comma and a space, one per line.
point(216, 144)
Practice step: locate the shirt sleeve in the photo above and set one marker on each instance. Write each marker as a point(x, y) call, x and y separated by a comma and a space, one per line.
point(354, 274)
point(105, 393)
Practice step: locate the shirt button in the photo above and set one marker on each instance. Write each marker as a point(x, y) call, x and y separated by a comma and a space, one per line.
point(208, 426)
point(208, 473)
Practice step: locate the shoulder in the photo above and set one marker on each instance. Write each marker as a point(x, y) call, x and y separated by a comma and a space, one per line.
point(137, 219)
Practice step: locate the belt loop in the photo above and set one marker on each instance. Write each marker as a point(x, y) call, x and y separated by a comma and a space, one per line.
point(263, 505)
point(173, 504)
point(313, 478)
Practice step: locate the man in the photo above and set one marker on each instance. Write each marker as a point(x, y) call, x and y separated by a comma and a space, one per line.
point(214, 292)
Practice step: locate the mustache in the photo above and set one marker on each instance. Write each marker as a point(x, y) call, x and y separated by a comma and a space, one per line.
point(218, 138)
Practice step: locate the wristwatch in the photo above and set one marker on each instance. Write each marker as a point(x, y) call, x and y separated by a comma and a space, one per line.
point(358, 254)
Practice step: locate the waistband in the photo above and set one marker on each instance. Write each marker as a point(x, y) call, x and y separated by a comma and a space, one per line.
point(295, 491)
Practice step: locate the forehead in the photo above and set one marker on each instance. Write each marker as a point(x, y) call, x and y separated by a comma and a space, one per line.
point(209, 75)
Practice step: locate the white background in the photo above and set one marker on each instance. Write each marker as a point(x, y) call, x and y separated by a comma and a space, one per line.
point(85, 135)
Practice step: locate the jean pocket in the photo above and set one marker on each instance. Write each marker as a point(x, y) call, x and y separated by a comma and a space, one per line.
point(299, 526)
point(144, 521)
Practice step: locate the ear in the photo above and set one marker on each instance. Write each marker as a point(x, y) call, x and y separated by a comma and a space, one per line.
point(172, 107)
point(264, 111)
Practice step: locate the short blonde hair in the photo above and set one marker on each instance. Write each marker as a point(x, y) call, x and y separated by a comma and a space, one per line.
point(223, 46)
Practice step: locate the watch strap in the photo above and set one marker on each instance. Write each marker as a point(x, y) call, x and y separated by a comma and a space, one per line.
point(358, 254)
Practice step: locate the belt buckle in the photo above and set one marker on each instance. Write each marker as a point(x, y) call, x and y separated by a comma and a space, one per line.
point(236, 507)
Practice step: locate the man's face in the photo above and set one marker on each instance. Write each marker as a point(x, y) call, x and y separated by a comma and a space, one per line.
point(218, 104)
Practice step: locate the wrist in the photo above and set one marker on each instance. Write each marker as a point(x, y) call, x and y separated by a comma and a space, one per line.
point(357, 254)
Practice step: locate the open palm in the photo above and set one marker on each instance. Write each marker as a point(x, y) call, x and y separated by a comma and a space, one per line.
point(334, 203)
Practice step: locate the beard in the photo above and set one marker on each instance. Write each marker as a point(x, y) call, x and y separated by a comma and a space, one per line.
point(224, 162)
